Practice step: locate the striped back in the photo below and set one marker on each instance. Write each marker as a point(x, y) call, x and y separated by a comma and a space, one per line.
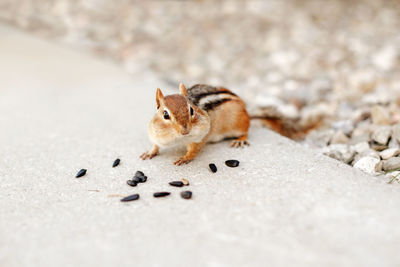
point(209, 97)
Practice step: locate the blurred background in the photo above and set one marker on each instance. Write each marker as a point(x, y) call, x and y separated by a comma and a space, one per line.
point(339, 60)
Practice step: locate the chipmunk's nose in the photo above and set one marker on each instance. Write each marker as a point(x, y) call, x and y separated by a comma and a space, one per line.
point(185, 131)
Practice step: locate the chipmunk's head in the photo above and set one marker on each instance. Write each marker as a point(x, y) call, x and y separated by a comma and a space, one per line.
point(174, 111)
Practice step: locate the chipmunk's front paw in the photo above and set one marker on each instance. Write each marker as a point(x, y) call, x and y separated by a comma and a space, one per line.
point(181, 161)
point(148, 155)
point(239, 143)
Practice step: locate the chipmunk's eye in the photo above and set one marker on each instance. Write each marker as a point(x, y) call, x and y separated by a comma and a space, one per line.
point(191, 111)
point(166, 115)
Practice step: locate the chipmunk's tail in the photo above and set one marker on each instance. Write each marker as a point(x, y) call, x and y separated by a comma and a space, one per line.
point(292, 128)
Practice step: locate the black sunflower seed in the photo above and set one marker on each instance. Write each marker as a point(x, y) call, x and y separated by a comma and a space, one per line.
point(139, 174)
point(177, 183)
point(232, 163)
point(116, 163)
point(131, 182)
point(81, 173)
point(140, 179)
point(161, 194)
point(186, 194)
point(130, 198)
point(213, 168)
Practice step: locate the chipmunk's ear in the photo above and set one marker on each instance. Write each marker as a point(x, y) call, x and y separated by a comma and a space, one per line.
point(159, 97)
point(182, 89)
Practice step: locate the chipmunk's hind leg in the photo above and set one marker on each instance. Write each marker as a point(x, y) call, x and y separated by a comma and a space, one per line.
point(242, 125)
point(240, 142)
point(151, 153)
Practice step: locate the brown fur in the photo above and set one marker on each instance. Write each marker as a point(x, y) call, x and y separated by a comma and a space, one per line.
point(244, 123)
point(179, 108)
point(229, 120)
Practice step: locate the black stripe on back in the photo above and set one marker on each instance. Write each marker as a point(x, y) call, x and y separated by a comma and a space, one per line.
point(212, 105)
point(198, 91)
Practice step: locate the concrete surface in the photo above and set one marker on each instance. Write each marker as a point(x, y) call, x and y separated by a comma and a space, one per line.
point(284, 206)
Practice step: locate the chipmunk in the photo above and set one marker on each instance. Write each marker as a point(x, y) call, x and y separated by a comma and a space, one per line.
point(205, 113)
point(196, 116)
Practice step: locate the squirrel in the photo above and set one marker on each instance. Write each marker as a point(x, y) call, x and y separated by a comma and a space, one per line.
point(196, 116)
point(205, 113)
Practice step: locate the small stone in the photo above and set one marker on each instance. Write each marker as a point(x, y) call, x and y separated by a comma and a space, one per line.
point(81, 173)
point(356, 139)
point(185, 182)
point(379, 166)
point(186, 194)
point(360, 115)
point(344, 126)
point(130, 198)
point(116, 163)
point(339, 138)
point(367, 164)
point(379, 115)
point(385, 59)
point(232, 163)
point(371, 153)
point(361, 133)
point(376, 97)
point(391, 164)
point(340, 152)
point(381, 135)
point(213, 168)
point(131, 182)
point(393, 143)
point(378, 147)
point(319, 138)
point(362, 79)
point(161, 194)
point(396, 132)
point(367, 153)
point(176, 183)
point(389, 153)
point(360, 147)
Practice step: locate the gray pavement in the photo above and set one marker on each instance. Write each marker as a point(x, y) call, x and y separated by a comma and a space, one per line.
point(62, 110)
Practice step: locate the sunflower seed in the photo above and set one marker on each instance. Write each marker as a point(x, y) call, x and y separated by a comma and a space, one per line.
point(184, 181)
point(139, 174)
point(131, 182)
point(186, 194)
point(161, 194)
point(116, 163)
point(81, 173)
point(232, 163)
point(176, 183)
point(140, 179)
point(130, 198)
point(213, 168)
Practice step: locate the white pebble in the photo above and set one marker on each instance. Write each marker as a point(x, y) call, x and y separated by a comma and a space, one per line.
point(367, 164)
